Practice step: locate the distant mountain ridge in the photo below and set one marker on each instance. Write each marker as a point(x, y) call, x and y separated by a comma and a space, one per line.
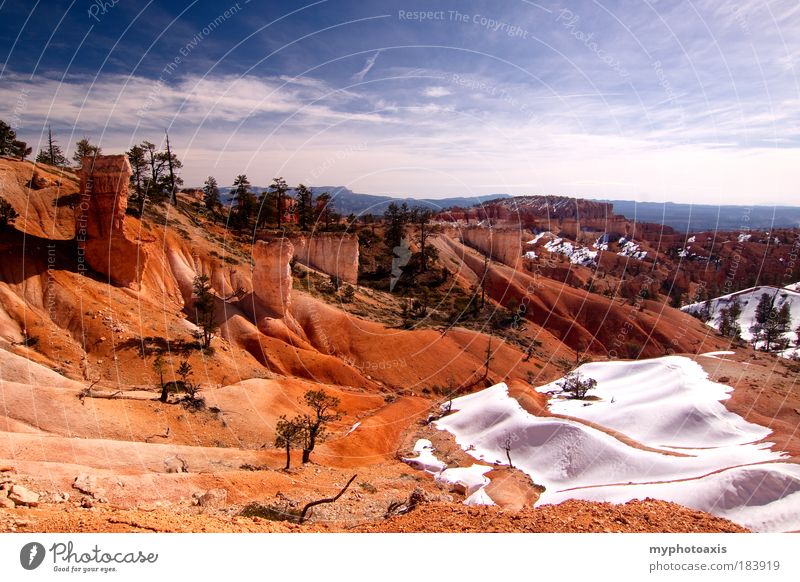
point(681, 217)
point(346, 201)
point(700, 217)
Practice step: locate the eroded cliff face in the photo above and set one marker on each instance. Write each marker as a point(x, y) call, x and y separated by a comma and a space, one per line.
point(272, 274)
point(105, 240)
point(335, 254)
point(504, 245)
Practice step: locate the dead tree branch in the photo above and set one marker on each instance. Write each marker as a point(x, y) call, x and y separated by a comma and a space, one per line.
point(327, 500)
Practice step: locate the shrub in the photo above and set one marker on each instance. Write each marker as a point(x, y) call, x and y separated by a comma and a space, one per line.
point(576, 387)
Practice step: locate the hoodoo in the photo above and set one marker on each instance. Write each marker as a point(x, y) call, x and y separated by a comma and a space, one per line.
point(107, 243)
point(272, 274)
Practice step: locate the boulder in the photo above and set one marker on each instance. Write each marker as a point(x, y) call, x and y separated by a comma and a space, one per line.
point(175, 464)
point(212, 498)
point(85, 483)
point(23, 496)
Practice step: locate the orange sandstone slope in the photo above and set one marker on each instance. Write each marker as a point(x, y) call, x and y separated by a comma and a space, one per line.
point(587, 321)
point(92, 327)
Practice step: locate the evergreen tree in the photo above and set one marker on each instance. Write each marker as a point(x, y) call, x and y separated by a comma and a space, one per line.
point(204, 309)
point(10, 145)
point(138, 162)
point(211, 194)
point(7, 213)
point(171, 179)
point(305, 210)
point(287, 434)
point(313, 425)
point(52, 154)
point(277, 193)
point(729, 320)
point(84, 147)
point(421, 218)
point(396, 218)
point(244, 201)
point(771, 323)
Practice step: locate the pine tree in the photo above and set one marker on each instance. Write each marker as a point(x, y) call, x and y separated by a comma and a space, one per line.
point(211, 194)
point(171, 179)
point(10, 145)
point(138, 162)
point(277, 193)
point(305, 210)
point(771, 323)
point(244, 200)
point(7, 213)
point(421, 218)
point(396, 218)
point(52, 154)
point(729, 320)
point(204, 309)
point(83, 148)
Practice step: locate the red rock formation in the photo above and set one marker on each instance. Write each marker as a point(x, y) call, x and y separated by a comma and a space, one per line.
point(504, 245)
point(100, 230)
point(335, 254)
point(272, 274)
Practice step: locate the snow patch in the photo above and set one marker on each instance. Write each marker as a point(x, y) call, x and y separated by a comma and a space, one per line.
point(667, 404)
point(425, 459)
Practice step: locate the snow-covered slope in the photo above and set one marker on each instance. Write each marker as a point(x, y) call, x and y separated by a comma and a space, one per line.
point(663, 404)
point(748, 299)
point(689, 411)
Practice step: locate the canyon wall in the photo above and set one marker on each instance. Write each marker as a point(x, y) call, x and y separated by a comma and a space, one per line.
point(504, 245)
point(107, 243)
point(335, 254)
point(272, 274)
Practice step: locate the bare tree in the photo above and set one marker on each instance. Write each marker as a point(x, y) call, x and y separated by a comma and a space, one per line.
point(507, 448)
point(488, 359)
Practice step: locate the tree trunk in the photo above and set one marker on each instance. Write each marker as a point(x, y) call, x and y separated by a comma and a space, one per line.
point(288, 456)
point(172, 195)
point(312, 441)
point(164, 389)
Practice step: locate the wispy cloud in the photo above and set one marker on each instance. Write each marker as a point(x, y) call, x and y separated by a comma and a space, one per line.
point(359, 76)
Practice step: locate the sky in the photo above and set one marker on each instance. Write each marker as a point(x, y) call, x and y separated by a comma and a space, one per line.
point(650, 100)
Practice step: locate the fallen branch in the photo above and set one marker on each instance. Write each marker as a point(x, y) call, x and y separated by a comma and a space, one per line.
point(327, 500)
point(132, 524)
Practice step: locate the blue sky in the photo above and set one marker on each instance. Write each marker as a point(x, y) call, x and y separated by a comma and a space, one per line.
point(648, 100)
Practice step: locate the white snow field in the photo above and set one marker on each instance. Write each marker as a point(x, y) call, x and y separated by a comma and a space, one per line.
point(748, 298)
point(706, 457)
point(663, 403)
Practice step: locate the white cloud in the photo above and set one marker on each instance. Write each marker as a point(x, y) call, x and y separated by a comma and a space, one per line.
point(436, 92)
